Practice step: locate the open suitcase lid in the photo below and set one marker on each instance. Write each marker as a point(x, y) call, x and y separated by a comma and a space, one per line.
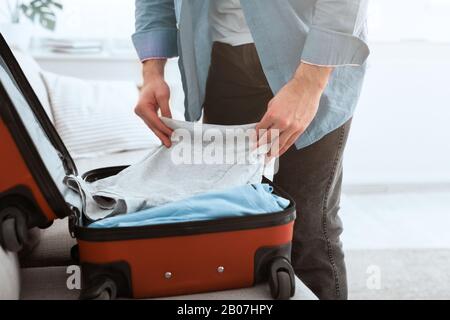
point(36, 137)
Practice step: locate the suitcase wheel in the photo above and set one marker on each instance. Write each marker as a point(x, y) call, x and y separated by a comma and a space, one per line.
point(281, 279)
point(101, 288)
point(13, 232)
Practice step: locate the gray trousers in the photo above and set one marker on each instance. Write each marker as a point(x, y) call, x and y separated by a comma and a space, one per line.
point(237, 92)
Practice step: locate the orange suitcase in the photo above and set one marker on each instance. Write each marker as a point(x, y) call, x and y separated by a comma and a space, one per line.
point(139, 262)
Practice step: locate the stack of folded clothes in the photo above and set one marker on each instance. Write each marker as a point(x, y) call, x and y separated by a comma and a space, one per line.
point(160, 189)
point(251, 199)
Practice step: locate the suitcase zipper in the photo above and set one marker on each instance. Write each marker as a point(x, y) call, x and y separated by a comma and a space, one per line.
point(185, 228)
point(73, 219)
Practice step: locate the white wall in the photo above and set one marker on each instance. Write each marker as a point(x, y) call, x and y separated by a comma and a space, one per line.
point(388, 20)
point(89, 18)
point(395, 20)
point(401, 130)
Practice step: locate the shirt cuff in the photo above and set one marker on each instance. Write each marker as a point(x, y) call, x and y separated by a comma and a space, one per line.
point(334, 49)
point(159, 43)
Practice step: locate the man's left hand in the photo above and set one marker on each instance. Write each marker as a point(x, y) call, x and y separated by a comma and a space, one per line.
point(294, 107)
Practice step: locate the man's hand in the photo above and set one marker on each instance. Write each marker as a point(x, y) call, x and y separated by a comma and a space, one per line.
point(154, 96)
point(294, 107)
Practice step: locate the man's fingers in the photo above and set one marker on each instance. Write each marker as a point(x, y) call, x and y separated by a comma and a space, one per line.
point(285, 140)
point(164, 139)
point(265, 123)
point(164, 107)
point(155, 120)
point(289, 144)
point(266, 136)
point(286, 145)
point(277, 144)
point(152, 120)
point(298, 130)
point(285, 137)
point(161, 136)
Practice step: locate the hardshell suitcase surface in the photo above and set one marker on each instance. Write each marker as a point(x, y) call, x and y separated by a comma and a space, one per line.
point(138, 262)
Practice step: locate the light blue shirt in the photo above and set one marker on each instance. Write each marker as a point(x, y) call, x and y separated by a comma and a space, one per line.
point(285, 32)
point(239, 201)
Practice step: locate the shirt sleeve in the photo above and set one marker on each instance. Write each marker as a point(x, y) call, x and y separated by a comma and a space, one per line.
point(335, 36)
point(156, 29)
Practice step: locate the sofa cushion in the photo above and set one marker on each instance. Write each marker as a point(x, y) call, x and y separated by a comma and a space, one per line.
point(33, 73)
point(96, 117)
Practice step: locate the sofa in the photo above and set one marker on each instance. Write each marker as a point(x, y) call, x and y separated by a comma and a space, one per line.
point(42, 270)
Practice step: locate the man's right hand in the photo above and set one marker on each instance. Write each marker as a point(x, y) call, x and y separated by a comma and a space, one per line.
point(154, 96)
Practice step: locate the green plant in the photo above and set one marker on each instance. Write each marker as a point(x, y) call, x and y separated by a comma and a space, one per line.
point(42, 11)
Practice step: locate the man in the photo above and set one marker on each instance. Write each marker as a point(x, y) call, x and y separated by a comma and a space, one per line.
point(292, 65)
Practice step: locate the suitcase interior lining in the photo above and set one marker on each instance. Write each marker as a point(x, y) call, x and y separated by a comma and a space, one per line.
point(44, 159)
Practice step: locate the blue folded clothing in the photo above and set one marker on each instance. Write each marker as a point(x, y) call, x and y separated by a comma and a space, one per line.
point(250, 199)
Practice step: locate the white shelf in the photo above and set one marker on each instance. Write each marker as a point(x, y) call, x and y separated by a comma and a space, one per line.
point(109, 64)
point(40, 54)
point(113, 50)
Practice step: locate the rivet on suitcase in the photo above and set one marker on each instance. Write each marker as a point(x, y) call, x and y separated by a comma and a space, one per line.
point(139, 262)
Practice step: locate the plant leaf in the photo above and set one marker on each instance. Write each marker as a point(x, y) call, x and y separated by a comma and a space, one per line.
point(58, 5)
point(48, 21)
point(44, 10)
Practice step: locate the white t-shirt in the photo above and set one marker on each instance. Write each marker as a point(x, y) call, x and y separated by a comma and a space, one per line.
point(228, 23)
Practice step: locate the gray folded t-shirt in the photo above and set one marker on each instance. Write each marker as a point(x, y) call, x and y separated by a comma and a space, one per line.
point(202, 158)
